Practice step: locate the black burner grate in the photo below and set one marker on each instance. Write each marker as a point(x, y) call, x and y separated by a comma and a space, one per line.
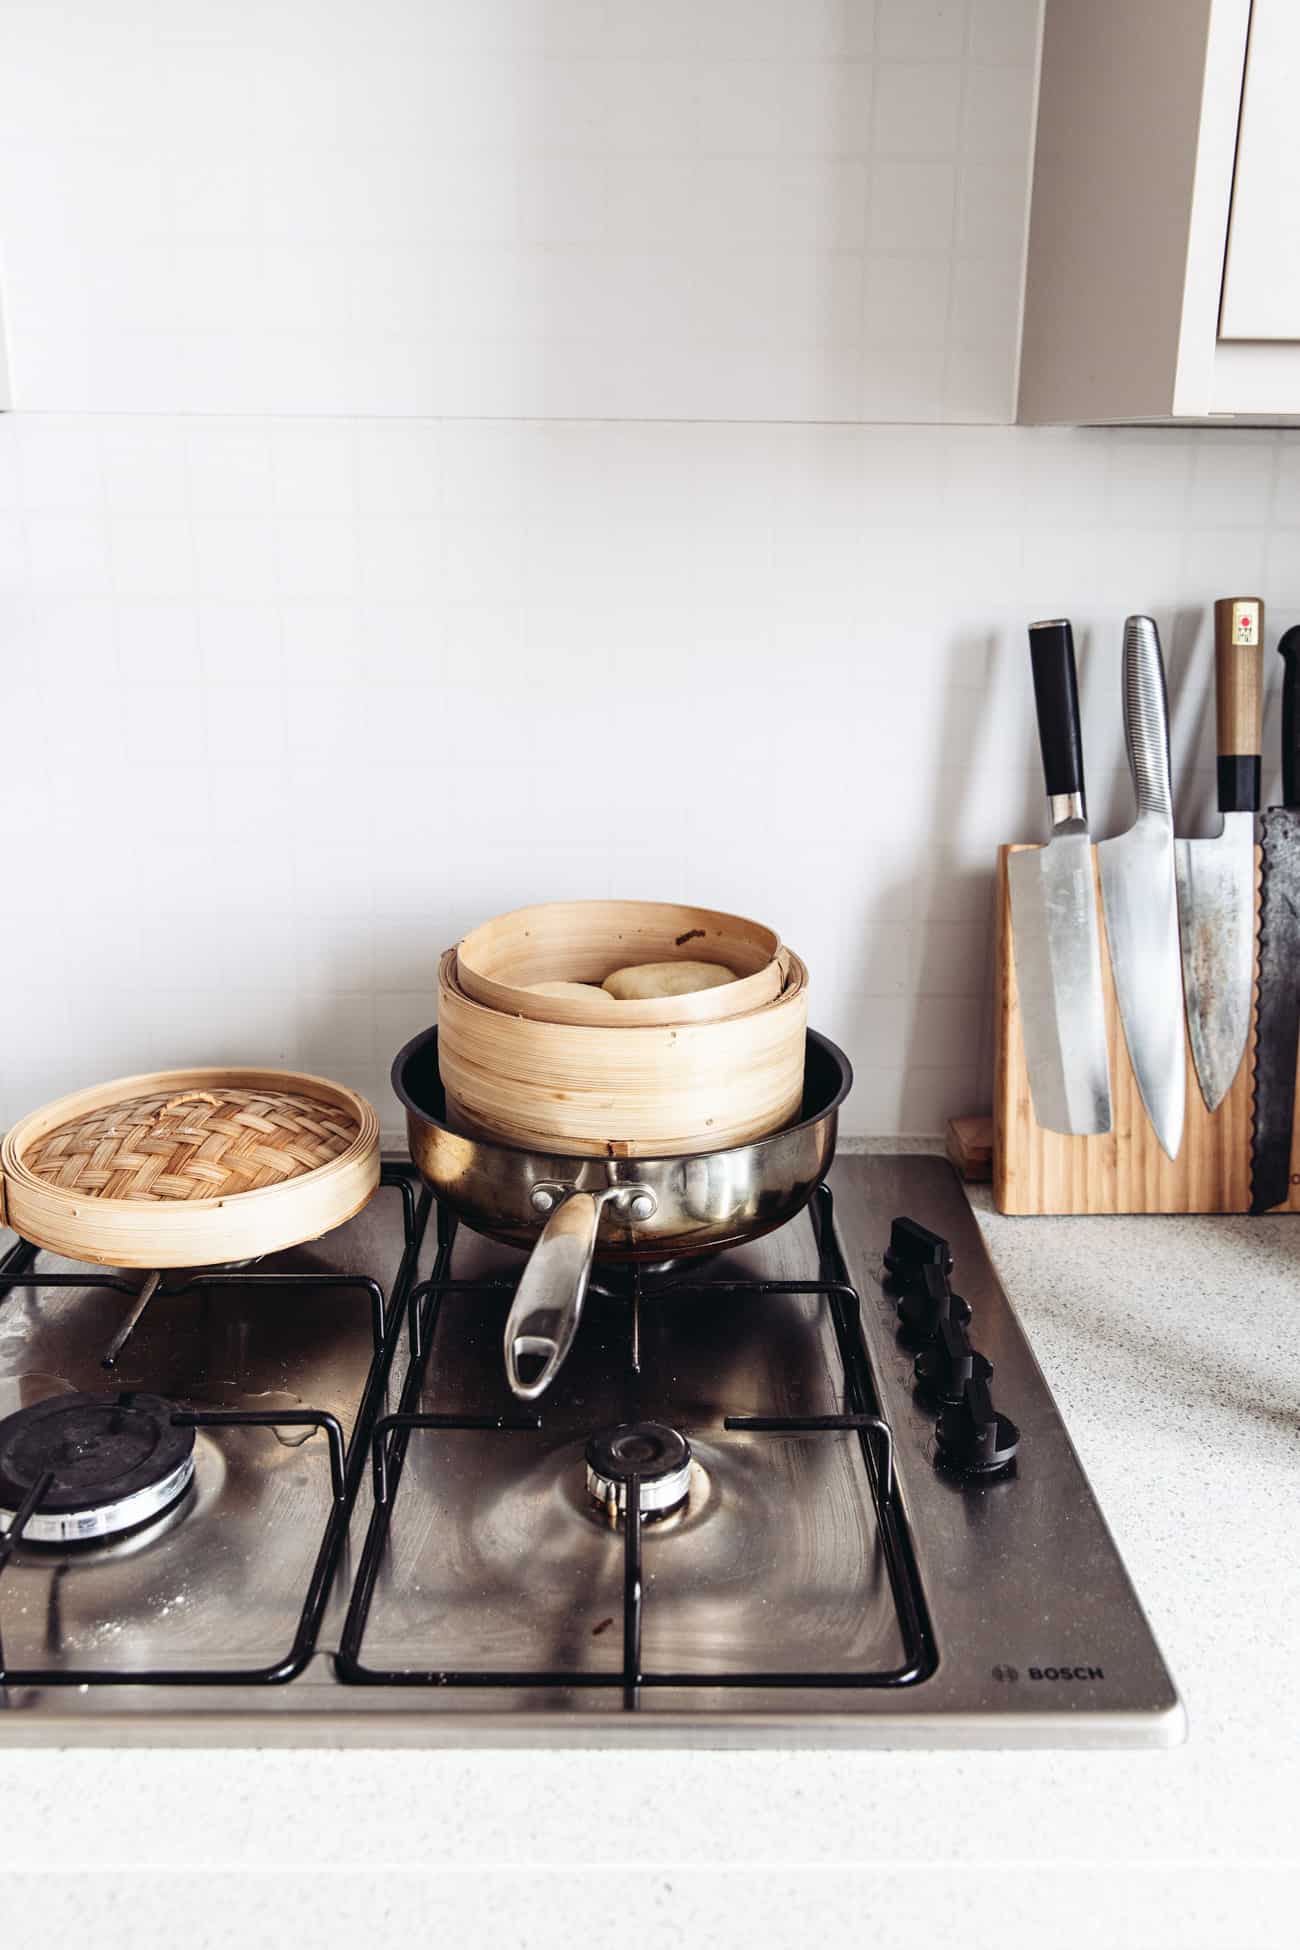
point(387, 1438)
point(391, 1436)
point(346, 1462)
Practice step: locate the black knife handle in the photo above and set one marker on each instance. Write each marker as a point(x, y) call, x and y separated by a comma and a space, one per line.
point(1056, 694)
point(1289, 651)
point(1238, 699)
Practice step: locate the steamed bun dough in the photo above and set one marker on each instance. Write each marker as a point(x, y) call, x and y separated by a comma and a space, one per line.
point(581, 991)
point(654, 978)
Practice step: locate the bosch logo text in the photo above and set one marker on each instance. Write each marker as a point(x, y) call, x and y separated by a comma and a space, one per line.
point(1008, 1674)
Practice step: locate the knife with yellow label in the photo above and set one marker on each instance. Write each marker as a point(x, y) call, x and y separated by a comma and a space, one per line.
point(1216, 877)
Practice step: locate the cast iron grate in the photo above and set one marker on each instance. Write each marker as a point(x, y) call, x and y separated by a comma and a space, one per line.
point(346, 1462)
point(391, 1435)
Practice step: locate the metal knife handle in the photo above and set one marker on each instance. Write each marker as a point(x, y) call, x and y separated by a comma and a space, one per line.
point(1056, 695)
point(1289, 651)
point(1239, 699)
point(1146, 718)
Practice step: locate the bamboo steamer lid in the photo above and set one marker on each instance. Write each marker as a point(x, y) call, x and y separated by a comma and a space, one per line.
point(584, 941)
point(654, 1090)
point(189, 1167)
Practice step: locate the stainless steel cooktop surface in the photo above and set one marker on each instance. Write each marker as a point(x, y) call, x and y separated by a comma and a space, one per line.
point(828, 1572)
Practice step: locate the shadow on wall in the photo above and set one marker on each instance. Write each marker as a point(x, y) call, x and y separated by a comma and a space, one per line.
point(943, 1055)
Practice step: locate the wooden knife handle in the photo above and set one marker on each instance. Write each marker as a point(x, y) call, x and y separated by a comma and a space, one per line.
point(1239, 699)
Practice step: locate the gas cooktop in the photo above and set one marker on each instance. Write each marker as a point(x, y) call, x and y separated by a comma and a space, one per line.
point(815, 1493)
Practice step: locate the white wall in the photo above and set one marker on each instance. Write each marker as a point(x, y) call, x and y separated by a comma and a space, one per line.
point(290, 702)
point(699, 209)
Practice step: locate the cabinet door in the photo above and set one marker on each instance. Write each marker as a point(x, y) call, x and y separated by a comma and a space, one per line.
point(1261, 281)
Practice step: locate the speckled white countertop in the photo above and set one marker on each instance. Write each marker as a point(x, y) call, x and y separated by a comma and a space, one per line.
point(1173, 1346)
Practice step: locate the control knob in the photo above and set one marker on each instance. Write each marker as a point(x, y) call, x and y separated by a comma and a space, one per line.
point(926, 1302)
point(973, 1437)
point(944, 1368)
point(912, 1246)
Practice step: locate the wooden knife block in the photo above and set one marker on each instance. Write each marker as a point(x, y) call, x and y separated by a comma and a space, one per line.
point(1125, 1170)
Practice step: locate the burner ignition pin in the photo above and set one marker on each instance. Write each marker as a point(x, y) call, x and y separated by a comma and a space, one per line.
point(128, 1327)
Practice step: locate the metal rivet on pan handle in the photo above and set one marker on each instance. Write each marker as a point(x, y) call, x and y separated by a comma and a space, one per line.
point(633, 1202)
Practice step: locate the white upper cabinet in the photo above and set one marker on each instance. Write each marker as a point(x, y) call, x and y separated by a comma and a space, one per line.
point(1261, 281)
point(1163, 276)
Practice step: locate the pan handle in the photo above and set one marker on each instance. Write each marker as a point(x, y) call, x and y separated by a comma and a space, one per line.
point(547, 1306)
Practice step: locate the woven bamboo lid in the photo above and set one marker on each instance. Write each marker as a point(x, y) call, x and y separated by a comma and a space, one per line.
point(190, 1167)
point(196, 1144)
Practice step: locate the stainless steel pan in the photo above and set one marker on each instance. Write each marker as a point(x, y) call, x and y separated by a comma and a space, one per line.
point(573, 1213)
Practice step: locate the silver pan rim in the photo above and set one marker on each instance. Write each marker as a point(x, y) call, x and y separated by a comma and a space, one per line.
point(830, 1108)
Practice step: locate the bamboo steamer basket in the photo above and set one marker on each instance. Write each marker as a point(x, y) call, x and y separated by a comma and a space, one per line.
point(648, 1090)
point(584, 941)
point(189, 1167)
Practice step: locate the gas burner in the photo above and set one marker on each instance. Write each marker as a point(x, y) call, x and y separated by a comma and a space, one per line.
point(648, 1277)
point(651, 1450)
point(117, 1461)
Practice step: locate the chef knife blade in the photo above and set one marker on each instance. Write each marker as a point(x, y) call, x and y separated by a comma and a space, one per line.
point(1279, 961)
point(1216, 877)
point(1054, 915)
point(1139, 897)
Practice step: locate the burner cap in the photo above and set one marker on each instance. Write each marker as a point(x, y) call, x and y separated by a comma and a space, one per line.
point(651, 1450)
point(117, 1461)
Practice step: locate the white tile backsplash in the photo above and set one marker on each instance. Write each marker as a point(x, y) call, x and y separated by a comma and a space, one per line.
point(778, 668)
point(158, 643)
point(242, 643)
point(927, 29)
point(917, 109)
point(143, 464)
point(154, 555)
point(68, 554)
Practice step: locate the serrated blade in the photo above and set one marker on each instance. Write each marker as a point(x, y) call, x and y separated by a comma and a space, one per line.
point(1278, 1017)
point(1216, 914)
point(1057, 954)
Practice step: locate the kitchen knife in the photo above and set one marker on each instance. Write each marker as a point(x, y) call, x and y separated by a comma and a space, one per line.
point(1279, 961)
point(1216, 877)
point(1139, 896)
point(1054, 915)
